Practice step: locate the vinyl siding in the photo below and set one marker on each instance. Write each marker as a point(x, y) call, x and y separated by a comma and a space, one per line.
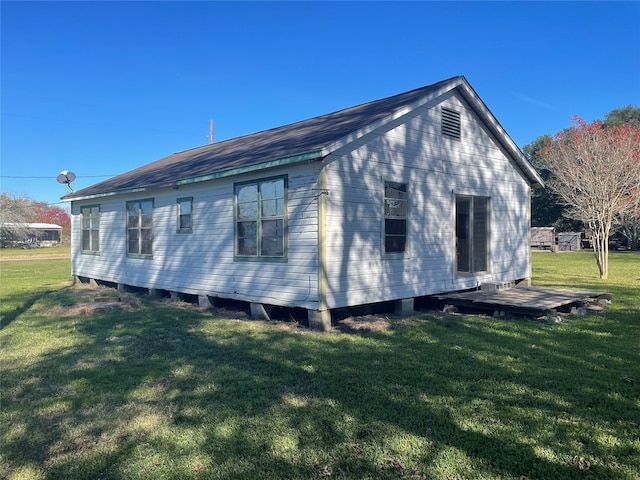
point(409, 150)
point(436, 169)
point(202, 262)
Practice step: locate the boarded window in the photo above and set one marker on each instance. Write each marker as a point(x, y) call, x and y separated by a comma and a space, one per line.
point(395, 217)
point(451, 123)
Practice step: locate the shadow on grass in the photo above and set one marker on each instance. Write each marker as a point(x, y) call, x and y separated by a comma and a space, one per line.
point(22, 306)
point(171, 392)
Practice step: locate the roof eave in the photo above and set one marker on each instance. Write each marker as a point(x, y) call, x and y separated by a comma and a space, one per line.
point(67, 198)
point(229, 172)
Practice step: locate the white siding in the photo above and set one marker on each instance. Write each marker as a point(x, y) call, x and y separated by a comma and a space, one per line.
point(410, 150)
point(202, 262)
point(436, 169)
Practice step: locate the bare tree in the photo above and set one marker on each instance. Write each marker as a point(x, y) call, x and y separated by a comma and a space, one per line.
point(596, 173)
point(15, 213)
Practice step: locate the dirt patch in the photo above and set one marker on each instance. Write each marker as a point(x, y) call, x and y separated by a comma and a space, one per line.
point(365, 323)
point(88, 300)
point(85, 300)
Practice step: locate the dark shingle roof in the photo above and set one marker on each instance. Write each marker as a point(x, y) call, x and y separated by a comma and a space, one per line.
point(303, 140)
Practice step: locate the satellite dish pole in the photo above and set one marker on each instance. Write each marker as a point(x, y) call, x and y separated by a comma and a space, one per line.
point(66, 177)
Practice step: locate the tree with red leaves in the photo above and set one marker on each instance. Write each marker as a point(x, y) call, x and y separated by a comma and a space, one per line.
point(596, 173)
point(45, 213)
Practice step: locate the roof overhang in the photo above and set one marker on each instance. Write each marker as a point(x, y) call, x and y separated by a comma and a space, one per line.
point(230, 172)
point(278, 162)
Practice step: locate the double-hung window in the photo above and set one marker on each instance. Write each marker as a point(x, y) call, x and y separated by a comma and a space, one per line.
point(185, 215)
point(90, 229)
point(140, 228)
point(472, 234)
point(260, 218)
point(395, 217)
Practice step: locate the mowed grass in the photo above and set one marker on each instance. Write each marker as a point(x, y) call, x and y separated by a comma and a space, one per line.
point(43, 252)
point(167, 391)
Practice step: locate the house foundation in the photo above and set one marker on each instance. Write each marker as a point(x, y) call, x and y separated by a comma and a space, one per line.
point(405, 307)
point(259, 311)
point(155, 293)
point(204, 301)
point(319, 320)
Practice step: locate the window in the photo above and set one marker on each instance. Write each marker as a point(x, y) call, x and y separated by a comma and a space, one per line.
point(185, 216)
point(450, 123)
point(260, 219)
point(395, 217)
point(91, 229)
point(472, 234)
point(140, 228)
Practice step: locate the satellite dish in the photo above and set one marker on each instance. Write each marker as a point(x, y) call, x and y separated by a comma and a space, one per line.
point(66, 177)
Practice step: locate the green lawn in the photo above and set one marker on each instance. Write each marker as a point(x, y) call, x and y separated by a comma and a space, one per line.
point(159, 390)
point(43, 252)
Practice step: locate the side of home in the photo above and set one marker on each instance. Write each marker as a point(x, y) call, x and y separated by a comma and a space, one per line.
point(412, 195)
point(200, 258)
point(457, 185)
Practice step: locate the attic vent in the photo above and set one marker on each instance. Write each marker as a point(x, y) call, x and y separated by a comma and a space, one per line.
point(451, 123)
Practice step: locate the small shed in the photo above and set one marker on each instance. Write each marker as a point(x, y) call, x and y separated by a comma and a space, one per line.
point(543, 237)
point(569, 241)
point(411, 195)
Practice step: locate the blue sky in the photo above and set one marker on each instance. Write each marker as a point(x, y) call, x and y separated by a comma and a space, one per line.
point(100, 88)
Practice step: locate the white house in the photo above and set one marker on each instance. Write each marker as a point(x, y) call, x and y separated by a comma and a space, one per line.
point(416, 194)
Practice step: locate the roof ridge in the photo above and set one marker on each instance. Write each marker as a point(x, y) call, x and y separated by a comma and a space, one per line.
point(284, 143)
point(352, 107)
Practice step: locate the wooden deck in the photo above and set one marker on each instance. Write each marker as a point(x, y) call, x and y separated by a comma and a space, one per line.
point(531, 301)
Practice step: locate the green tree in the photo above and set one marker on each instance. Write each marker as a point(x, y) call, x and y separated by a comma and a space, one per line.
point(619, 116)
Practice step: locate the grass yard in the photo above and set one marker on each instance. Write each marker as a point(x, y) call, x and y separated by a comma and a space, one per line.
point(167, 391)
point(44, 252)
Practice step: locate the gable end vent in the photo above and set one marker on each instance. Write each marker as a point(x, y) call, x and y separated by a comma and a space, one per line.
point(451, 123)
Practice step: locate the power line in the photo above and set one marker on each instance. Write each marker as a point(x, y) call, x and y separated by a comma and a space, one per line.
point(83, 176)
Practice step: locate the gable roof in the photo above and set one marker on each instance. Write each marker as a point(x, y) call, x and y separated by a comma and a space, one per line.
point(305, 140)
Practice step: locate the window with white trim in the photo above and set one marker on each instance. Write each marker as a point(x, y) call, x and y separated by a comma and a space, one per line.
point(140, 228)
point(90, 229)
point(395, 217)
point(260, 218)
